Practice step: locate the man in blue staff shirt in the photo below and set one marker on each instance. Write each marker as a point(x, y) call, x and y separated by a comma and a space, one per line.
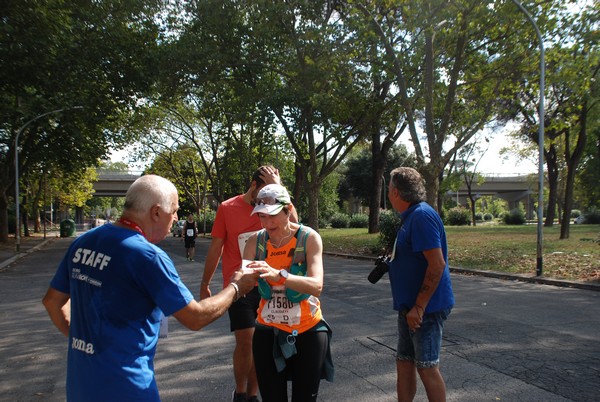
point(111, 290)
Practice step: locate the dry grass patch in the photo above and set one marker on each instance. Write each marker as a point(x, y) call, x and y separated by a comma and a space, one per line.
point(501, 248)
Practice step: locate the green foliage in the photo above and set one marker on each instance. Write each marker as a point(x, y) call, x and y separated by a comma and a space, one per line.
point(97, 206)
point(575, 213)
point(592, 216)
point(514, 217)
point(458, 216)
point(492, 205)
point(61, 54)
point(359, 221)
point(488, 217)
point(73, 190)
point(328, 196)
point(357, 171)
point(389, 223)
point(340, 220)
point(205, 221)
point(479, 216)
point(182, 165)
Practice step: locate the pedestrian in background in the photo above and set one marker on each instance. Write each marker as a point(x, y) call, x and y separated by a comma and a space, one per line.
point(233, 225)
point(190, 232)
point(421, 287)
point(111, 290)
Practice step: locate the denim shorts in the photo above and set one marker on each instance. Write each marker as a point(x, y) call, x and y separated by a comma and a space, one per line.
point(422, 346)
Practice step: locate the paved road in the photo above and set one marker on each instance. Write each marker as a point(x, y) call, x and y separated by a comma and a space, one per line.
point(504, 341)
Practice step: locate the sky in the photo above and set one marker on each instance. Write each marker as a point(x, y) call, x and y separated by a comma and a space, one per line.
point(493, 163)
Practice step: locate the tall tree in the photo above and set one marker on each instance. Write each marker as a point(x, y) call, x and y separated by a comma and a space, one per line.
point(57, 55)
point(573, 64)
point(469, 157)
point(454, 64)
point(316, 90)
point(357, 172)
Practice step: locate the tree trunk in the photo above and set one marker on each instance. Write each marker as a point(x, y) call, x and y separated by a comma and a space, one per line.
point(298, 185)
point(572, 163)
point(472, 202)
point(3, 218)
point(25, 216)
point(313, 204)
point(552, 164)
point(432, 185)
point(565, 223)
point(378, 166)
point(35, 210)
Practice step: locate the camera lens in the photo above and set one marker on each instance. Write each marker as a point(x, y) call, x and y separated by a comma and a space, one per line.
point(377, 273)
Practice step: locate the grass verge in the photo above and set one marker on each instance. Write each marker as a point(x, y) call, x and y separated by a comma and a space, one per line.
point(501, 248)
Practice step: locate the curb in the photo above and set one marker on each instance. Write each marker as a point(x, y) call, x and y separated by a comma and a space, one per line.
point(22, 254)
point(498, 275)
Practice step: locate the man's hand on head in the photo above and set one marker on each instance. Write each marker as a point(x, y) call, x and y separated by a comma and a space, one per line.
point(270, 175)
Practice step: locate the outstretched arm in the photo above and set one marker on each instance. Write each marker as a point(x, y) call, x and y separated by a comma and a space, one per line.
point(196, 315)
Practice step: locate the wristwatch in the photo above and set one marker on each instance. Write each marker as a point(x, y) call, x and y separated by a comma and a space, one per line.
point(284, 275)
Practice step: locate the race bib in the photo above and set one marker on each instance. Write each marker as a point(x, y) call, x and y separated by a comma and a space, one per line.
point(279, 309)
point(242, 239)
point(190, 232)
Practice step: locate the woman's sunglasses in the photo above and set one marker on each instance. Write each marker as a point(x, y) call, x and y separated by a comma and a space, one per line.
point(268, 201)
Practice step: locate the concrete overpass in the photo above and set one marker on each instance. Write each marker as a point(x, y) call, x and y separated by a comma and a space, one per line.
point(514, 189)
point(114, 183)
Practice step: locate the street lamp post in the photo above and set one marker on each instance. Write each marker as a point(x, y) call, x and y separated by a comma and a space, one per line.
point(539, 261)
point(17, 217)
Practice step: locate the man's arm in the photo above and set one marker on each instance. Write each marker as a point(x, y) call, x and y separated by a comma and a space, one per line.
point(59, 309)
point(435, 269)
point(210, 265)
point(196, 315)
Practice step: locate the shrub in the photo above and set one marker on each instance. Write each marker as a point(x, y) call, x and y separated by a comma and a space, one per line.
point(592, 216)
point(458, 216)
point(575, 213)
point(340, 221)
point(479, 216)
point(210, 220)
point(488, 217)
point(514, 217)
point(389, 222)
point(359, 221)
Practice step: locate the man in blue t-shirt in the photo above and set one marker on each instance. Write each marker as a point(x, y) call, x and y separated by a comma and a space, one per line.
point(111, 290)
point(421, 286)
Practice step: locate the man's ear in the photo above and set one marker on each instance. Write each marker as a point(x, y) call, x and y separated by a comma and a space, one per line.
point(155, 212)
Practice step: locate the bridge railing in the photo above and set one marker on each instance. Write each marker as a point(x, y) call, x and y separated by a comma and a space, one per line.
point(107, 174)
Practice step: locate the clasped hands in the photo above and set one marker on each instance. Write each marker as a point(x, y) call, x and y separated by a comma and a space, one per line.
point(249, 273)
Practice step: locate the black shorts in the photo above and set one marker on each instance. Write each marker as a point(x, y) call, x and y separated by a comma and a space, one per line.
point(189, 242)
point(242, 313)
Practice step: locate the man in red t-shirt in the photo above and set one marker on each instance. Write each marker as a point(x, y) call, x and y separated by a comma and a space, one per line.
point(233, 225)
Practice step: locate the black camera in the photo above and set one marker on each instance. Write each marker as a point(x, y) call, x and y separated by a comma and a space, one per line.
point(381, 267)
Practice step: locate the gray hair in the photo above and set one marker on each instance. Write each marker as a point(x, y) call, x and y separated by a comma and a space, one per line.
point(148, 191)
point(409, 183)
